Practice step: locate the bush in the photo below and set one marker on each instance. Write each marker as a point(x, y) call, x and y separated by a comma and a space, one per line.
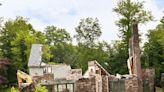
point(13, 89)
point(40, 88)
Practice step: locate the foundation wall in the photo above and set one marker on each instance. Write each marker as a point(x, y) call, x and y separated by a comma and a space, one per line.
point(131, 85)
point(86, 85)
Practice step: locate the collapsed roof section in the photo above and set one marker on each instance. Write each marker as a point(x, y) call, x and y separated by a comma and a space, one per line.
point(103, 71)
point(95, 68)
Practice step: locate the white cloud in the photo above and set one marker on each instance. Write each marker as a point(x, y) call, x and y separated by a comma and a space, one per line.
point(67, 13)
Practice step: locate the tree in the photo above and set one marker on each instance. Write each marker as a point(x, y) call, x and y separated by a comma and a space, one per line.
point(56, 36)
point(129, 11)
point(116, 57)
point(59, 41)
point(153, 54)
point(98, 52)
point(17, 36)
point(16, 40)
point(40, 37)
point(88, 31)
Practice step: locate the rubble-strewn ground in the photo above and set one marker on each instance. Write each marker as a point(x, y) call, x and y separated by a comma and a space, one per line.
point(8, 90)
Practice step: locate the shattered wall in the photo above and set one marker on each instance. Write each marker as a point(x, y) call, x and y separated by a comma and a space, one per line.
point(95, 83)
point(148, 76)
point(36, 71)
point(105, 85)
point(75, 74)
point(131, 85)
point(86, 85)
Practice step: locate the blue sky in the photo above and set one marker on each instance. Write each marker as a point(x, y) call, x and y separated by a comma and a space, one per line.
point(67, 13)
point(159, 3)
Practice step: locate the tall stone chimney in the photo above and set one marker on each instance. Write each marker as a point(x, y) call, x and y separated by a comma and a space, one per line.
point(134, 63)
point(136, 51)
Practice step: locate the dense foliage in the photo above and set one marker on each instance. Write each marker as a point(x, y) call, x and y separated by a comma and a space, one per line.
point(153, 54)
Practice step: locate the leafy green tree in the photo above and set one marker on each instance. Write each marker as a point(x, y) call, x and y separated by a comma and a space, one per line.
point(55, 36)
point(17, 36)
point(59, 41)
point(40, 37)
point(70, 54)
point(16, 41)
point(47, 55)
point(129, 11)
point(85, 54)
point(153, 54)
point(117, 54)
point(58, 52)
point(88, 31)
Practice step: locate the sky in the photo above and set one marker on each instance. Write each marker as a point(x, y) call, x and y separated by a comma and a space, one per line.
point(67, 14)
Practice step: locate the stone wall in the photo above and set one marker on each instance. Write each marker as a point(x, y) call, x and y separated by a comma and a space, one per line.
point(98, 83)
point(45, 77)
point(131, 85)
point(115, 85)
point(105, 85)
point(148, 76)
point(48, 76)
point(36, 71)
point(75, 74)
point(86, 85)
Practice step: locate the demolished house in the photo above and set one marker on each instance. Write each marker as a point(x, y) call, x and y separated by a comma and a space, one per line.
point(94, 80)
point(61, 78)
point(57, 77)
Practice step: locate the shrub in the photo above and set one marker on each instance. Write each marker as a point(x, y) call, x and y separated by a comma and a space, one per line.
point(13, 89)
point(40, 88)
